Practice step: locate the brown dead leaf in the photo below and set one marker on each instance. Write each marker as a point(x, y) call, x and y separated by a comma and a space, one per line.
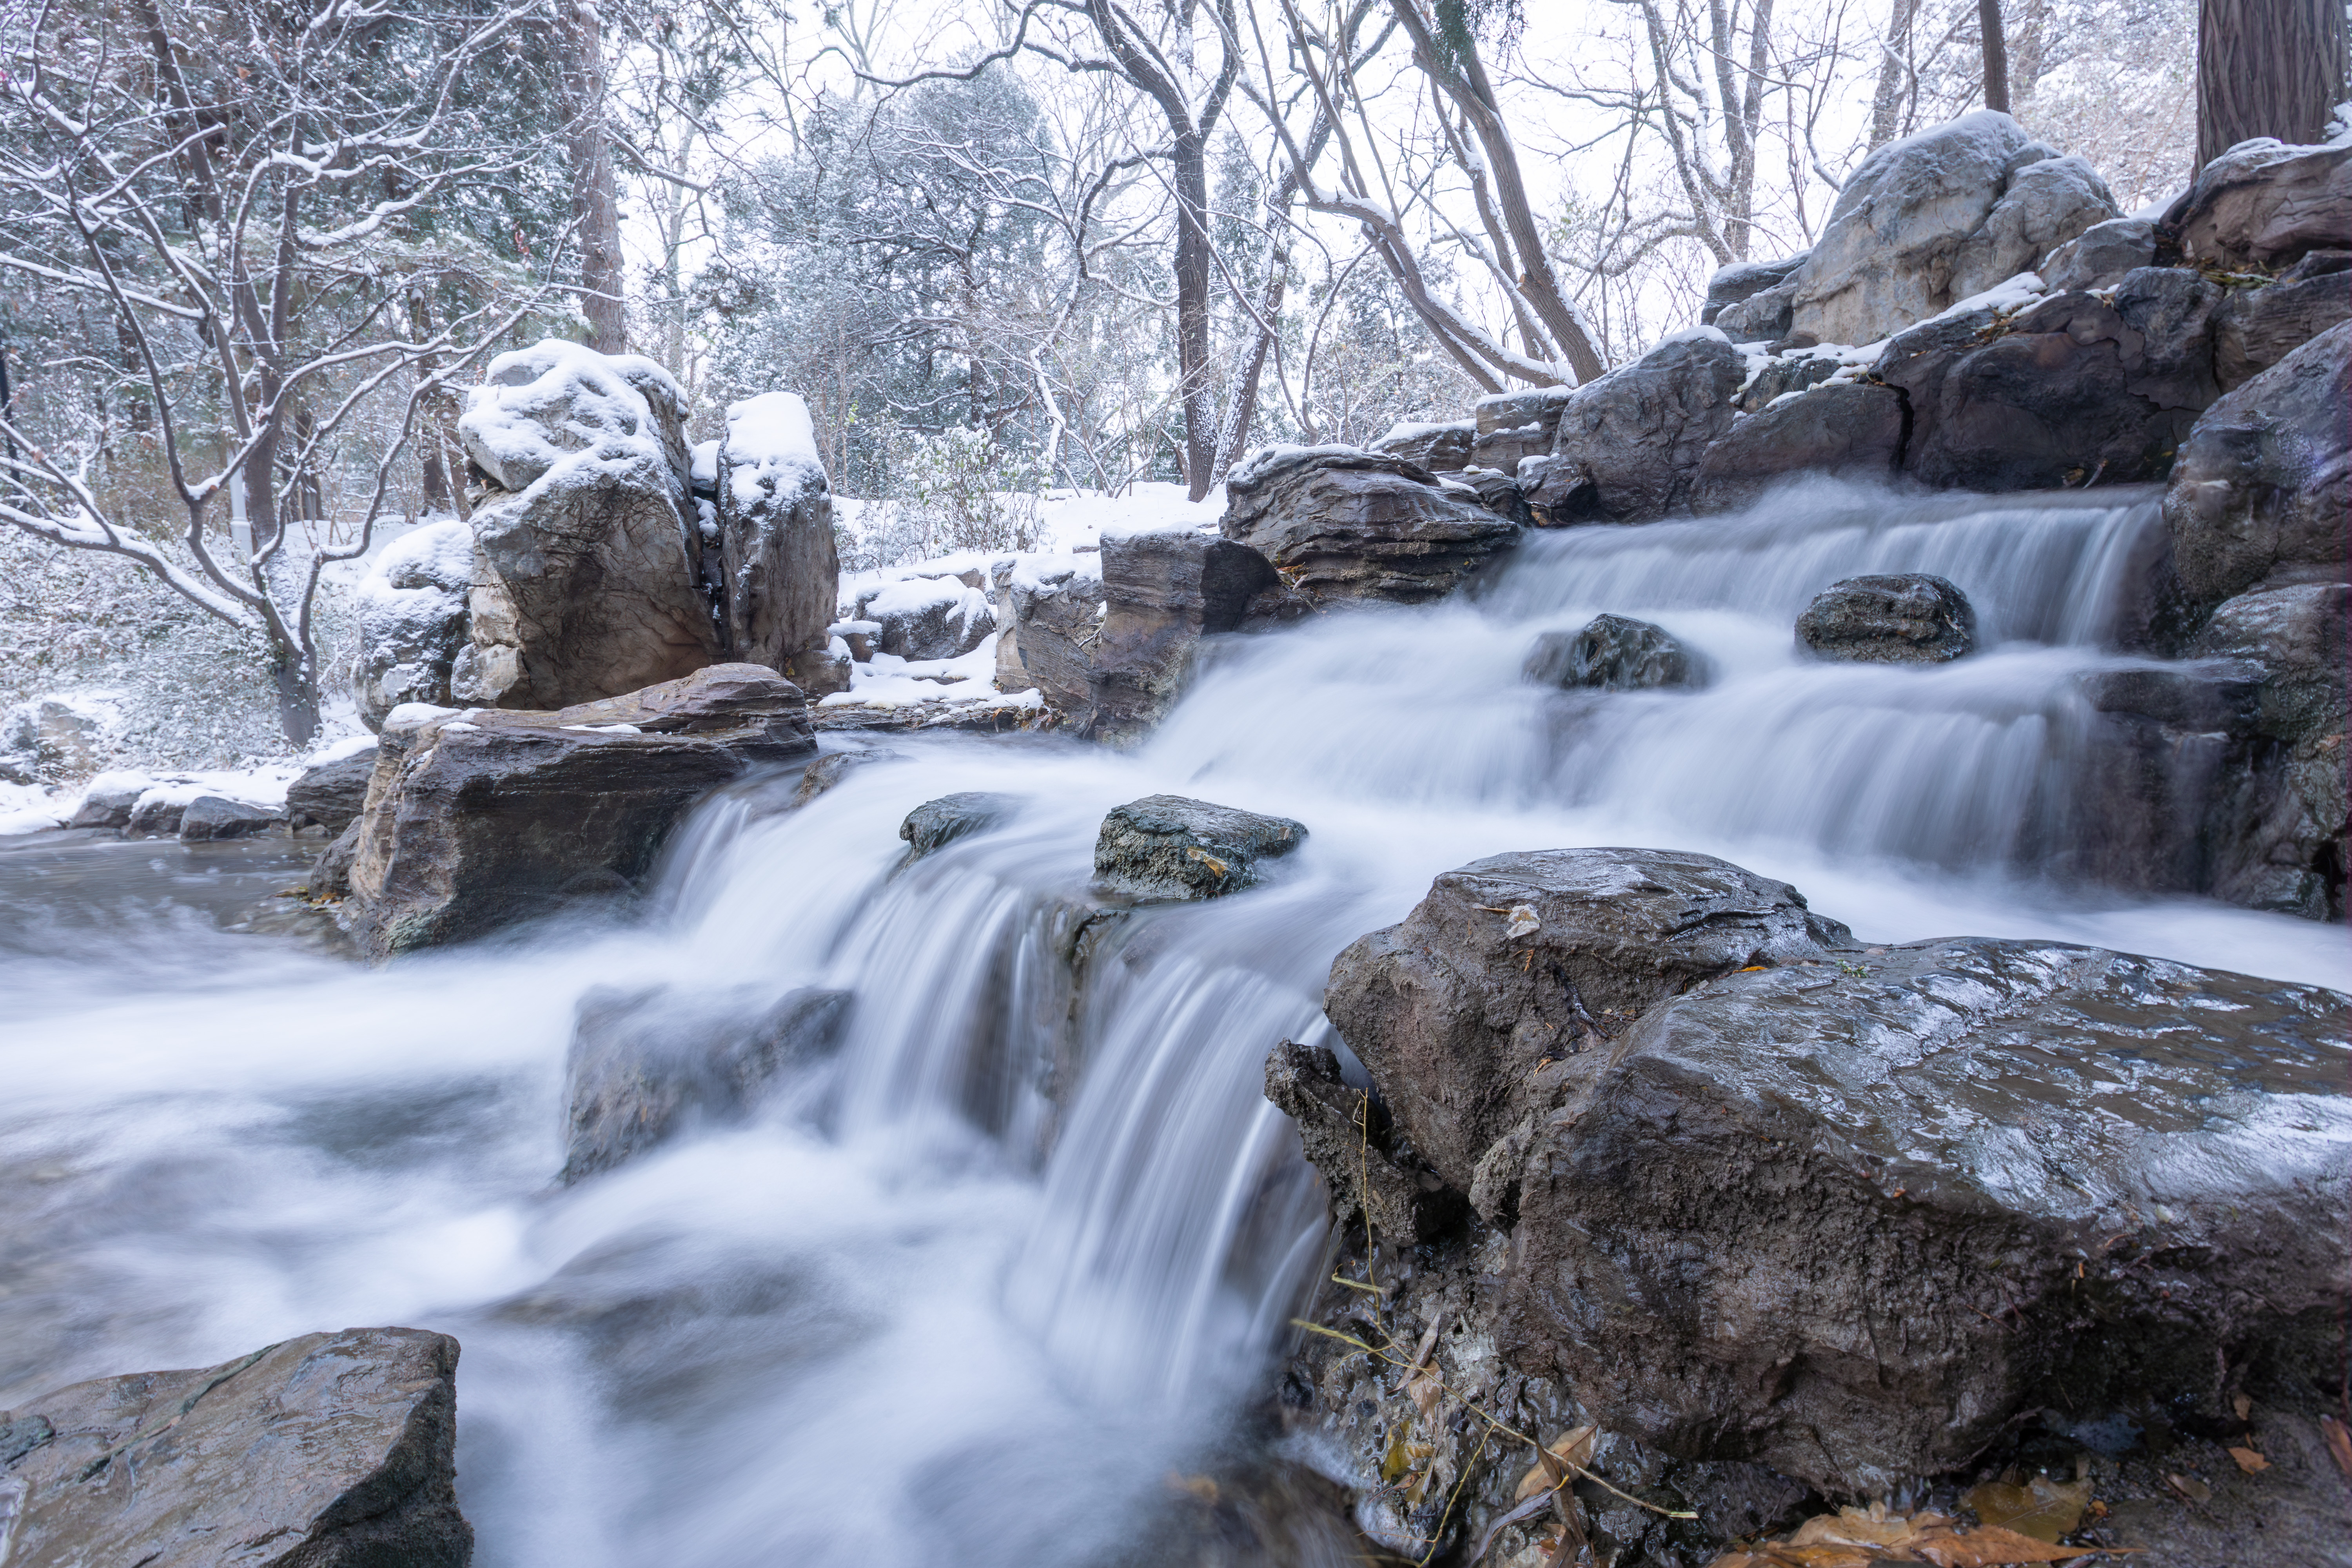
point(1988, 1545)
point(2041, 1509)
point(1853, 1538)
point(2191, 1488)
point(1854, 1526)
point(2242, 1406)
point(2339, 1442)
point(2250, 1460)
point(1571, 1448)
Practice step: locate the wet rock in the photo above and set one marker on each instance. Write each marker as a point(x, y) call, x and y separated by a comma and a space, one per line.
point(1499, 493)
point(775, 543)
point(1052, 609)
point(2265, 204)
point(927, 618)
point(2256, 328)
point(156, 813)
point(1440, 448)
point(1466, 1035)
point(1630, 444)
point(413, 620)
point(1349, 1138)
point(1744, 280)
point(1852, 1220)
point(1923, 214)
point(1166, 849)
point(589, 576)
point(2101, 254)
point(477, 820)
point(1342, 524)
point(1514, 425)
point(1163, 591)
point(1909, 617)
point(827, 773)
point(332, 795)
point(1612, 653)
point(1852, 430)
point(952, 816)
point(331, 873)
point(2265, 480)
point(326, 1451)
point(648, 1065)
point(109, 800)
point(2073, 391)
point(212, 817)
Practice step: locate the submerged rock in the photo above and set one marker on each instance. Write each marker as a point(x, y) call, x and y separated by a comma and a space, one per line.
point(332, 795)
point(478, 820)
point(951, 816)
point(1344, 524)
point(646, 1065)
point(1165, 849)
point(327, 1451)
point(1908, 617)
point(1613, 653)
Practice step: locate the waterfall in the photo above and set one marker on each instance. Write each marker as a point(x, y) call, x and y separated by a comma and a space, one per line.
point(969, 1290)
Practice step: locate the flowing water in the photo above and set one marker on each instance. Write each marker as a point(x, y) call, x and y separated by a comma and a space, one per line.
point(968, 1291)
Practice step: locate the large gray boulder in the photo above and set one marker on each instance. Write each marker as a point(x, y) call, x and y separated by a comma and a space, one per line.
point(1441, 448)
point(1514, 425)
point(209, 818)
point(589, 576)
point(413, 619)
point(1515, 972)
point(2266, 203)
point(1933, 218)
point(2263, 481)
point(775, 539)
point(1902, 618)
point(1743, 281)
point(1049, 612)
point(2100, 256)
point(1854, 1219)
point(1165, 849)
point(1164, 590)
point(1344, 524)
point(2256, 328)
point(327, 1451)
point(1846, 429)
point(648, 1065)
point(1630, 444)
point(332, 795)
point(476, 820)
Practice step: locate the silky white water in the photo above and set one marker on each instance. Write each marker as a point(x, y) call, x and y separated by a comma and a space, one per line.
point(923, 1311)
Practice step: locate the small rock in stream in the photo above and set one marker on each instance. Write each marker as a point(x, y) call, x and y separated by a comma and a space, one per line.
point(940, 822)
point(1907, 617)
point(1166, 849)
point(1612, 653)
point(212, 816)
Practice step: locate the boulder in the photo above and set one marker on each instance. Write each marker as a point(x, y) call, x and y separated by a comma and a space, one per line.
point(413, 621)
point(214, 816)
point(1915, 215)
point(1513, 426)
point(648, 1064)
point(1344, 524)
point(327, 1451)
point(2047, 204)
point(1855, 1220)
point(1744, 280)
point(1499, 493)
point(589, 575)
point(2256, 328)
point(1163, 591)
point(775, 543)
point(1630, 444)
point(2265, 480)
point(925, 619)
point(477, 820)
point(332, 794)
point(1907, 617)
point(1165, 849)
point(940, 822)
point(1506, 983)
point(1440, 448)
point(329, 880)
point(56, 737)
point(1612, 653)
point(1764, 317)
point(1850, 429)
point(1052, 609)
point(1365, 1163)
point(156, 813)
point(108, 800)
point(2100, 256)
point(2072, 391)
point(2264, 205)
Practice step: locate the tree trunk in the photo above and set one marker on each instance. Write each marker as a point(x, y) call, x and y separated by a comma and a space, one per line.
point(2266, 67)
point(595, 201)
point(1189, 157)
point(297, 685)
point(1893, 75)
point(1995, 55)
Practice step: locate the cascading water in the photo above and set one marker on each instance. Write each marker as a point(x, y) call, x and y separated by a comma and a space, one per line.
point(973, 1286)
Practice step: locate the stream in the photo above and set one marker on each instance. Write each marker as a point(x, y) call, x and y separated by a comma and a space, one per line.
point(967, 1291)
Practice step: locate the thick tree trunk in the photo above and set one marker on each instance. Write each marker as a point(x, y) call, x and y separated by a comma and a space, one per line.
point(595, 200)
point(1893, 75)
point(1996, 55)
point(1191, 160)
point(2266, 67)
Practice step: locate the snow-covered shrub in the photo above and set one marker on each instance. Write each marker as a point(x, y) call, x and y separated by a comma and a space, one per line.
point(949, 491)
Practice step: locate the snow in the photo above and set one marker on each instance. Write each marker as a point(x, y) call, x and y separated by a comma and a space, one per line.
point(1422, 430)
point(1265, 459)
point(1042, 571)
point(890, 681)
point(411, 713)
point(336, 750)
point(1070, 521)
point(771, 448)
point(702, 462)
point(29, 808)
point(558, 415)
point(409, 585)
point(2011, 295)
point(913, 595)
point(1694, 335)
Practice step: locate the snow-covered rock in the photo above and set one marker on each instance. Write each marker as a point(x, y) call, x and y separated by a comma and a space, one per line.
point(55, 737)
point(412, 619)
point(927, 618)
point(775, 528)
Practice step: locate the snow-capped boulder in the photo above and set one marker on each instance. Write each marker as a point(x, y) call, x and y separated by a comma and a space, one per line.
point(1339, 524)
point(1629, 444)
point(1050, 609)
point(108, 800)
point(412, 619)
point(927, 618)
point(1741, 281)
point(55, 737)
point(776, 532)
point(589, 575)
point(1441, 448)
point(2265, 204)
point(1513, 426)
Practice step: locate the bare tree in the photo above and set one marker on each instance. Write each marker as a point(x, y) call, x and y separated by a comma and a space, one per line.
point(1897, 83)
point(241, 195)
point(1996, 55)
point(2266, 67)
point(578, 34)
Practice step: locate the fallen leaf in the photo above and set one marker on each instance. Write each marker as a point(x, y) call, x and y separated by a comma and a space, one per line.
point(2339, 1442)
point(2242, 1406)
point(1571, 1448)
point(2250, 1460)
point(1524, 921)
point(1854, 1526)
point(1424, 1389)
point(1988, 1545)
point(1853, 1538)
point(2191, 1488)
point(2041, 1509)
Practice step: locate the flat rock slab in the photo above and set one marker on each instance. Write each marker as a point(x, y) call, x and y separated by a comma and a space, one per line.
point(952, 816)
point(1342, 524)
point(1906, 618)
point(1851, 1219)
point(1166, 849)
point(327, 1451)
